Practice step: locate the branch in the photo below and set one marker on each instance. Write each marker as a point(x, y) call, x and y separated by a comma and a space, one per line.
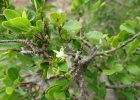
point(122, 86)
point(1, 14)
point(30, 92)
point(120, 46)
point(27, 42)
point(18, 41)
point(85, 60)
point(87, 44)
point(30, 52)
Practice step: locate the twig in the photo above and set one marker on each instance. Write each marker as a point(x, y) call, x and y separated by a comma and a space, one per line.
point(85, 60)
point(1, 14)
point(87, 44)
point(136, 90)
point(122, 86)
point(120, 46)
point(5, 4)
point(30, 52)
point(27, 42)
point(69, 53)
point(30, 91)
point(97, 67)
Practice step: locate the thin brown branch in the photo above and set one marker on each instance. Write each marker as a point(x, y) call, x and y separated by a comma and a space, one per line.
point(97, 67)
point(30, 52)
point(87, 44)
point(26, 42)
point(18, 41)
point(122, 86)
point(1, 14)
point(120, 46)
point(30, 92)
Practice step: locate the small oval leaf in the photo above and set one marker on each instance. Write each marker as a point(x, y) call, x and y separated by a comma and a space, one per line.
point(94, 35)
point(10, 14)
point(72, 25)
point(9, 90)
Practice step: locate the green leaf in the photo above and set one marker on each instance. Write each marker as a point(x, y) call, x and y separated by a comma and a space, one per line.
point(115, 42)
point(40, 25)
point(57, 18)
point(17, 81)
point(48, 7)
point(56, 71)
point(63, 67)
point(81, 2)
point(17, 24)
point(24, 14)
point(24, 59)
point(31, 15)
point(96, 5)
point(108, 72)
point(94, 35)
point(63, 82)
point(13, 73)
point(68, 76)
point(65, 34)
point(11, 27)
point(8, 46)
point(102, 4)
point(44, 65)
point(44, 75)
point(134, 69)
point(123, 36)
point(9, 90)
point(72, 25)
point(21, 23)
point(51, 90)
point(10, 14)
point(124, 78)
point(117, 68)
point(13, 96)
point(4, 55)
point(137, 52)
point(134, 45)
point(129, 95)
point(7, 82)
point(20, 91)
point(88, 73)
point(102, 90)
point(132, 23)
point(2, 92)
point(38, 3)
point(76, 44)
point(127, 28)
point(59, 94)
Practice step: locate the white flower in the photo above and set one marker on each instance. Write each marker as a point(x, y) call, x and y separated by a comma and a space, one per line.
point(60, 54)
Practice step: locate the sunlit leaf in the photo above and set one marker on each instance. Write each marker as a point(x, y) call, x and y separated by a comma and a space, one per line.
point(134, 69)
point(127, 28)
point(9, 90)
point(10, 14)
point(94, 35)
point(72, 25)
